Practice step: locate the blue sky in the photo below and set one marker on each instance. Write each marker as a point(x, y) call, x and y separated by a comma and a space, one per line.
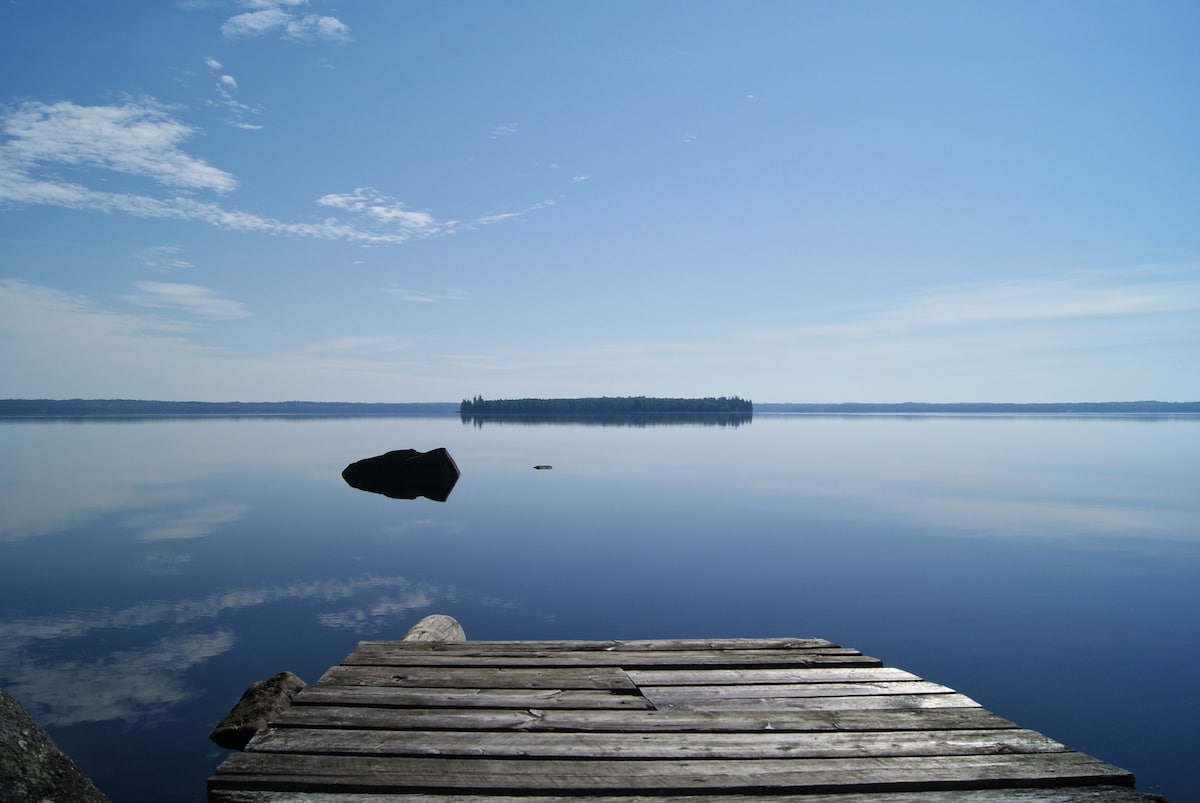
point(787, 201)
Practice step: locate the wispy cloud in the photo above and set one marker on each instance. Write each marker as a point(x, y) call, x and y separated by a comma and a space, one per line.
point(352, 343)
point(226, 87)
point(164, 563)
point(55, 344)
point(17, 634)
point(1099, 336)
point(163, 258)
point(580, 179)
point(384, 610)
point(283, 18)
point(385, 209)
point(137, 138)
point(1085, 296)
point(146, 682)
point(500, 217)
point(193, 299)
point(20, 188)
point(129, 684)
point(421, 296)
point(195, 522)
point(504, 130)
point(39, 312)
point(141, 139)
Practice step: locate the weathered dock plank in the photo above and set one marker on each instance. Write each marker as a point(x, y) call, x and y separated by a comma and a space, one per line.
point(521, 648)
point(1092, 794)
point(399, 697)
point(490, 677)
point(680, 720)
point(717, 677)
point(636, 745)
point(698, 695)
point(359, 773)
point(847, 703)
point(641, 721)
point(716, 659)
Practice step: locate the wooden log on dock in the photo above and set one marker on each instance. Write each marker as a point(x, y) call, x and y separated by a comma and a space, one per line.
point(686, 720)
point(436, 627)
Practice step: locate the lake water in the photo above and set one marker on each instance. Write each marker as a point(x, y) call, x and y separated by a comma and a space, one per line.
point(1048, 567)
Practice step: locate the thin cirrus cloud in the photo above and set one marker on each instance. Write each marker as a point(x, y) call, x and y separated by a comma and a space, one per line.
point(385, 209)
point(1099, 296)
point(136, 138)
point(423, 297)
point(200, 302)
point(226, 87)
point(280, 17)
point(163, 258)
point(500, 217)
point(139, 138)
point(504, 130)
point(351, 343)
point(192, 523)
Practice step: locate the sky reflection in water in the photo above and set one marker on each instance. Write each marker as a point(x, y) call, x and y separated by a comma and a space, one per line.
point(151, 570)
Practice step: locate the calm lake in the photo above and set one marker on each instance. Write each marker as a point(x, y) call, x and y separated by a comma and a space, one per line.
point(1048, 567)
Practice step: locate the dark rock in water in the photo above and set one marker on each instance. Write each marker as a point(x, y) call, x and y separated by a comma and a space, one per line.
point(405, 474)
point(263, 700)
point(32, 768)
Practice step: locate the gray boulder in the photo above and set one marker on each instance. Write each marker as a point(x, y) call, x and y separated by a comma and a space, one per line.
point(32, 768)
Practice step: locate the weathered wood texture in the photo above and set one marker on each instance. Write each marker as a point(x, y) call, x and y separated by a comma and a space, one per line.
point(436, 627)
point(685, 720)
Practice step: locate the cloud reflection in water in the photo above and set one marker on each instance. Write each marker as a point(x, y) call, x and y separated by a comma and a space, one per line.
point(39, 665)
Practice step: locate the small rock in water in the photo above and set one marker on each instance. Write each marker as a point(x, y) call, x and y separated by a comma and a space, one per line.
point(405, 474)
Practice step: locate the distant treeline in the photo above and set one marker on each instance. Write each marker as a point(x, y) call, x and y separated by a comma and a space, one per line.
point(634, 420)
point(51, 408)
point(588, 407)
point(604, 405)
point(994, 408)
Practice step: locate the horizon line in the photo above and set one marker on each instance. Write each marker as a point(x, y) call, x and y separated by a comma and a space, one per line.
point(908, 403)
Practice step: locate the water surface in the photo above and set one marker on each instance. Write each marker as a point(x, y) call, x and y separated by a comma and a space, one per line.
point(1048, 567)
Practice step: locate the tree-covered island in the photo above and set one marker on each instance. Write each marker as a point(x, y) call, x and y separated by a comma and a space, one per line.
point(604, 405)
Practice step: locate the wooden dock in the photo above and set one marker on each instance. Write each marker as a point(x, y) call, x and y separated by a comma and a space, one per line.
point(799, 719)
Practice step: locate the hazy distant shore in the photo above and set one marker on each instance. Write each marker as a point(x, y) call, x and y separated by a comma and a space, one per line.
point(102, 408)
point(916, 408)
point(99, 408)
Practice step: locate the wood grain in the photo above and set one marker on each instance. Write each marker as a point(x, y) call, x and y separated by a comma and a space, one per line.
point(674, 719)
